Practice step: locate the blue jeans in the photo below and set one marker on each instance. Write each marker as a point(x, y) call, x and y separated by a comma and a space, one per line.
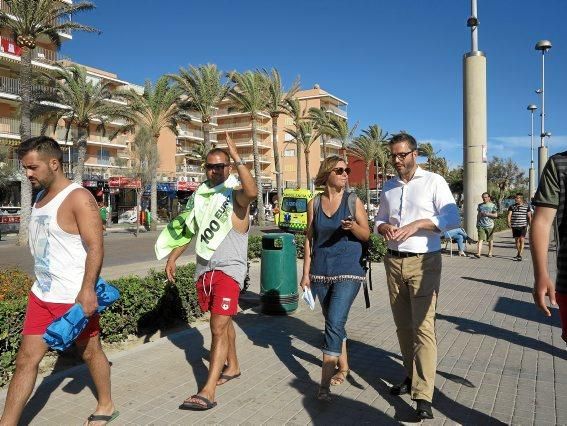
point(459, 235)
point(336, 300)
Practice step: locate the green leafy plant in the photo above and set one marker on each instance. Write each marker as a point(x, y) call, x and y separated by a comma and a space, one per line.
point(254, 247)
point(12, 314)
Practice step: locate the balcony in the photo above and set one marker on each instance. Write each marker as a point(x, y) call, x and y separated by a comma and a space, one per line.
point(107, 162)
point(40, 54)
point(13, 87)
point(242, 126)
point(337, 111)
point(247, 143)
point(262, 158)
point(189, 169)
point(333, 143)
point(225, 112)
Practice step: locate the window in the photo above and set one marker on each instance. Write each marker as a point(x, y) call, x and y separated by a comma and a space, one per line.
point(289, 153)
point(294, 205)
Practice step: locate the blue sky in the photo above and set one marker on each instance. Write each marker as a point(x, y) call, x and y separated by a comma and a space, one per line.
point(398, 63)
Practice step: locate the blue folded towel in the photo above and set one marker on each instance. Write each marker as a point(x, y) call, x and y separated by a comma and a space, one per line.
point(61, 333)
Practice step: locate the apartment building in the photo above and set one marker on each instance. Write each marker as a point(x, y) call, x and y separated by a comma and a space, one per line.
point(176, 153)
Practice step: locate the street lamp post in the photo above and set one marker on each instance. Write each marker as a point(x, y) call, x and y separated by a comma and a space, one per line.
point(543, 46)
point(532, 189)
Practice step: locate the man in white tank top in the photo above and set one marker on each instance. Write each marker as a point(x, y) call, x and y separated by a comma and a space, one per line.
point(65, 237)
point(218, 289)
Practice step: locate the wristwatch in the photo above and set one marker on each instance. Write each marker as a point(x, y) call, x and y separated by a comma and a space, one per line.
point(238, 163)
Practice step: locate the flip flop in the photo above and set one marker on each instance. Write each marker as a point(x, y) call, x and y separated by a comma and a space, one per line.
point(195, 406)
point(339, 377)
point(102, 417)
point(227, 378)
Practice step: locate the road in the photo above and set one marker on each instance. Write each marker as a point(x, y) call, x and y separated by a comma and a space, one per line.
point(120, 250)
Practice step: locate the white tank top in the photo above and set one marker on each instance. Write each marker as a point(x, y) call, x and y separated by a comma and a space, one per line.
point(59, 256)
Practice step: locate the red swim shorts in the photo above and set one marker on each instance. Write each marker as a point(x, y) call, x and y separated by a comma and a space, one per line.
point(40, 314)
point(218, 293)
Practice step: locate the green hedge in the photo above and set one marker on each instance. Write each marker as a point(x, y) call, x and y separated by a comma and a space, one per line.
point(501, 222)
point(146, 304)
point(12, 314)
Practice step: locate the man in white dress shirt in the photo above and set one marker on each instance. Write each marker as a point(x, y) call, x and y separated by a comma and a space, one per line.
point(415, 208)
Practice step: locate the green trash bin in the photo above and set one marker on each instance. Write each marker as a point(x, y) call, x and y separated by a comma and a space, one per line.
point(278, 274)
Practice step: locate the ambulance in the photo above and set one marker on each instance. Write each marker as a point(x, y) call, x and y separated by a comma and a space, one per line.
point(293, 210)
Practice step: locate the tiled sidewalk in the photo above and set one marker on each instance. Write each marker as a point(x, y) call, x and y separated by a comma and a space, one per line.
point(500, 361)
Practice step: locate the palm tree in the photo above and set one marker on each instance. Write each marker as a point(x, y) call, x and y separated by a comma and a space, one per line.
point(379, 138)
point(425, 149)
point(293, 109)
point(145, 159)
point(203, 90)
point(28, 20)
point(85, 101)
point(155, 110)
point(277, 99)
point(365, 148)
point(305, 134)
point(321, 118)
point(338, 128)
point(250, 96)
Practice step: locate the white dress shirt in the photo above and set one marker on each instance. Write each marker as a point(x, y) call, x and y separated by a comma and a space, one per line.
point(425, 196)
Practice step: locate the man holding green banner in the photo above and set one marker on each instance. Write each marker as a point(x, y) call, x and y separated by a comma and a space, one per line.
point(217, 216)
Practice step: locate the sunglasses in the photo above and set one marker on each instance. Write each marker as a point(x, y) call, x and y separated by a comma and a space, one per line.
point(401, 156)
point(218, 167)
point(340, 170)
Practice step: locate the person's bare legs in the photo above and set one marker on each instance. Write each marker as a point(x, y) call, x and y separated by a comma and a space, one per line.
point(329, 366)
point(218, 355)
point(232, 367)
point(490, 247)
point(342, 364)
point(91, 351)
point(479, 248)
point(31, 352)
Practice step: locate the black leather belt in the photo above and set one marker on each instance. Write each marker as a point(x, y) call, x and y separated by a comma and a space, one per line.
point(396, 253)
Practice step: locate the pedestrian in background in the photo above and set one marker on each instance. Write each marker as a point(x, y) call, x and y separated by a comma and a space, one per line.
point(519, 218)
point(551, 203)
point(487, 212)
point(415, 207)
point(333, 264)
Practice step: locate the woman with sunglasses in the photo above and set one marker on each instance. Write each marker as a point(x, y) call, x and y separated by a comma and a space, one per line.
point(332, 265)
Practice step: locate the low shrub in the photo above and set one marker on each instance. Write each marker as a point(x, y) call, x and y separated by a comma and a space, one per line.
point(12, 314)
point(254, 247)
point(146, 304)
point(151, 303)
point(299, 244)
point(14, 284)
point(377, 248)
point(501, 222)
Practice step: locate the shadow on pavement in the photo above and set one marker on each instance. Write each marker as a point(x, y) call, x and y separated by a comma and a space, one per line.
point(375, 366)
point(476, 327)
point(79, 380)
point(526, 311)
point(501, 284)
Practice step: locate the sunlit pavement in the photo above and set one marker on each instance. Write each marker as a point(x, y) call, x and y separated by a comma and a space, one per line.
point(500, 360)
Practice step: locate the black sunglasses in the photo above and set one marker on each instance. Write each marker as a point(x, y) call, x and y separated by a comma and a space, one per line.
point(400, 156)
point(218, 167)
point(340, 170)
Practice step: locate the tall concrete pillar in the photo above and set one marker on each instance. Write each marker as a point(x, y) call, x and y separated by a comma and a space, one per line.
point(541, 159)
point(532, 188)
point(474, 136)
